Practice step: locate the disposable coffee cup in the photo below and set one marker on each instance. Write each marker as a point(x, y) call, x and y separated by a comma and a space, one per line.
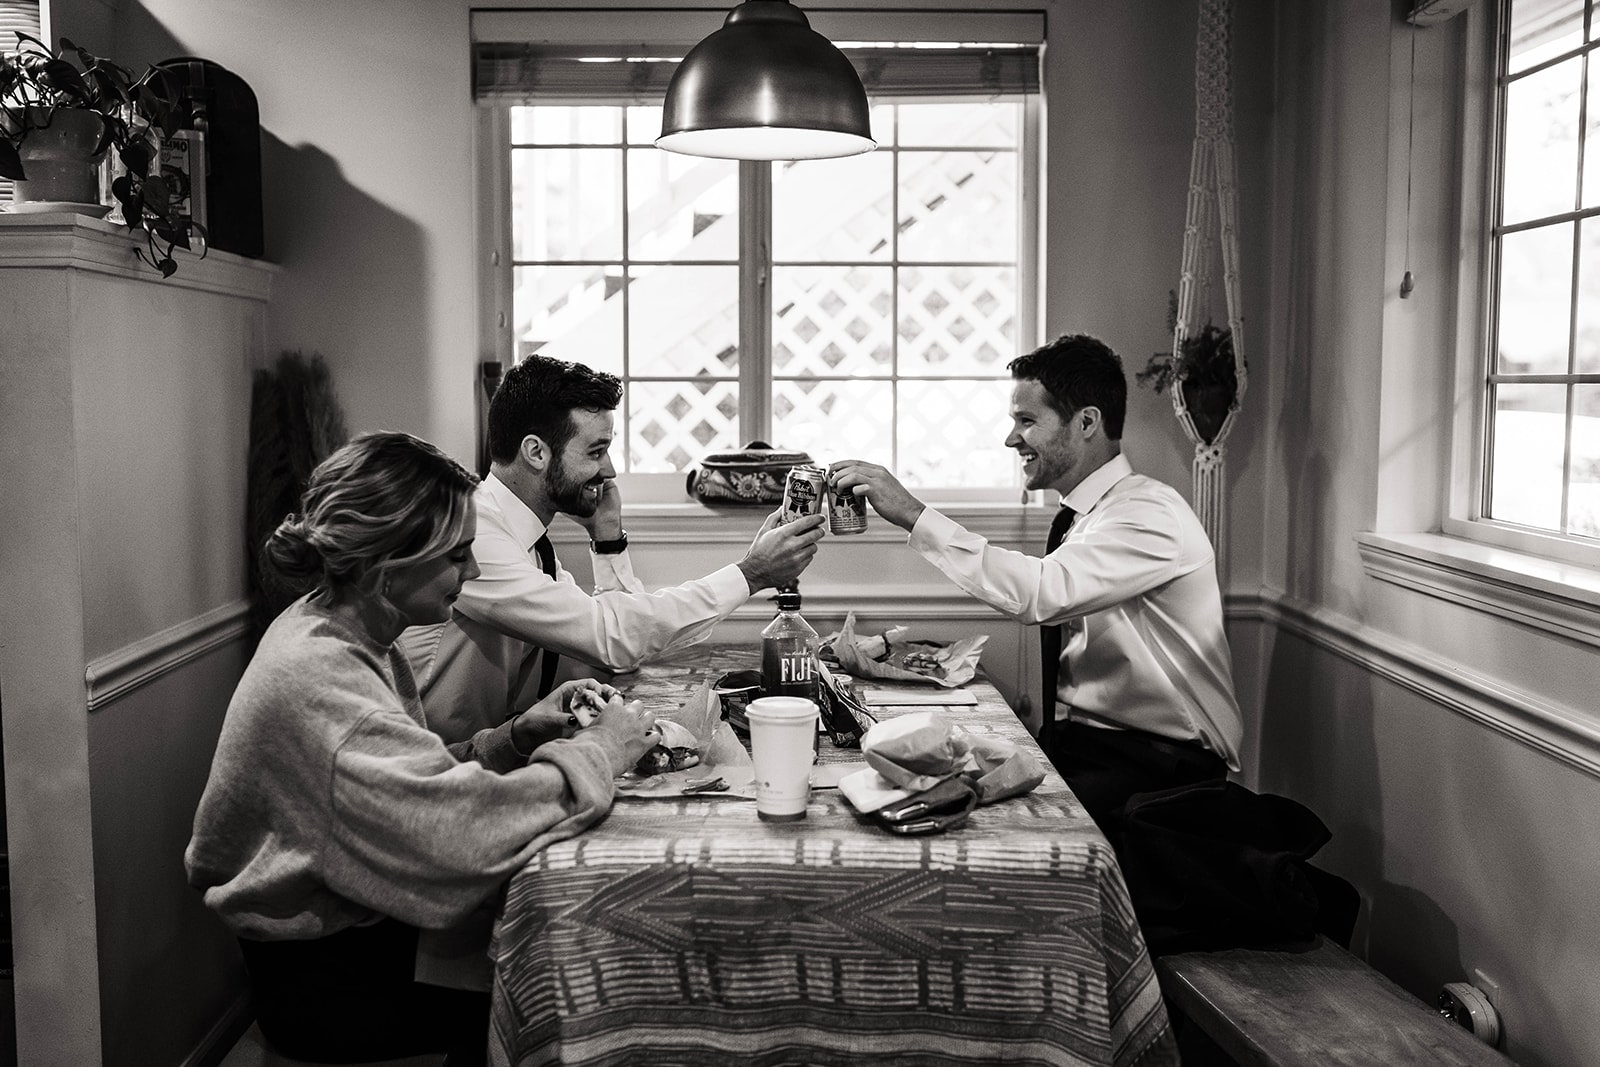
point(782, 733)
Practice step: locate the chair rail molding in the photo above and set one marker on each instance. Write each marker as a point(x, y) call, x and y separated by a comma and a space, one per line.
point(111, 677)
point(1562, 733)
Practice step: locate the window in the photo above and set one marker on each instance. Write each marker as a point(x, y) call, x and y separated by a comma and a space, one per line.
point(864, 306)
point(1541, 450)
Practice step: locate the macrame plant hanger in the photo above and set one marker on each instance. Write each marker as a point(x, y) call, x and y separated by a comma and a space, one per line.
point(1213, 199)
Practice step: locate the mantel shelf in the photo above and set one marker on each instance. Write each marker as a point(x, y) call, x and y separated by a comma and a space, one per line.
point(67, 241)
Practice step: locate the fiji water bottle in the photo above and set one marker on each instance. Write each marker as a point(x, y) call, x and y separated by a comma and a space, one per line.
point(788, 652)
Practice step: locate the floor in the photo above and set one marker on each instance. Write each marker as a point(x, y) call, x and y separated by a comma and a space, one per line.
point(252, 1051)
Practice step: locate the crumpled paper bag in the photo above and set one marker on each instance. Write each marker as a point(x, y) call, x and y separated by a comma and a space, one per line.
point(885, 655)
point(721, 754)
point(908, 754)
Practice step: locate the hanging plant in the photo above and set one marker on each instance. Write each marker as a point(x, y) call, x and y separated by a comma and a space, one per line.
point(1203, 368)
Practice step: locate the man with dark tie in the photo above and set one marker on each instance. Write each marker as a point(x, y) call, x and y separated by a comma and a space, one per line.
point(551, 425)
point(1138, 681)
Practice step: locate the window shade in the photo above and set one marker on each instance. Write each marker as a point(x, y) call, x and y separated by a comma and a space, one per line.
point(16, 16)
point(551, 59)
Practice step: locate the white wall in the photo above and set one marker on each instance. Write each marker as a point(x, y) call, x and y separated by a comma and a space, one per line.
point(1385, 708)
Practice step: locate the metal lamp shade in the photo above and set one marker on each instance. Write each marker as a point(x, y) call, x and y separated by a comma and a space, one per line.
point(766, 86)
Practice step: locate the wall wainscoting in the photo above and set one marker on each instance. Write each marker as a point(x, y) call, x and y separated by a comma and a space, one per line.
point(112, 677)
point(1561, 733)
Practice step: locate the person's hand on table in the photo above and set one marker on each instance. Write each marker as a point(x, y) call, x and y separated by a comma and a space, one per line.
point(560, 714)
point(780, 553)
point(889, 498)
point(632, 726)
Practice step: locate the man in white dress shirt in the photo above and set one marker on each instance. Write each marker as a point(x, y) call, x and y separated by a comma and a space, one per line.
point(1143, 694)
point(551, 425)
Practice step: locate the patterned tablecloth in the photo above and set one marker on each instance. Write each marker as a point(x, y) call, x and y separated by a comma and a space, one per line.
point(687, 931)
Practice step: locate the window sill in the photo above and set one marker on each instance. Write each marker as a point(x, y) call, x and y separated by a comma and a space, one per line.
point(699, 524)
point(1551, 595)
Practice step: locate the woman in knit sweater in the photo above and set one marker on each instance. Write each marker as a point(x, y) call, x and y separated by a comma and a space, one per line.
point(335, 825)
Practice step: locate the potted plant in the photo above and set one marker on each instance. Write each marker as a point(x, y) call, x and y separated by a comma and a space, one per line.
point(1203, 368)
point(61, 110)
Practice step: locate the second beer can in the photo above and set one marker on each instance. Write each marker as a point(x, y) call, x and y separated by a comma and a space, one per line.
point(803, 490)
point(847, 513)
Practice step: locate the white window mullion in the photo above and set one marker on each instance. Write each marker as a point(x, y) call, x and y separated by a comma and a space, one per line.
point(755, 301)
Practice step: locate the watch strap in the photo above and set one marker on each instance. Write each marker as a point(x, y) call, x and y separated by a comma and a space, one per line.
point(610, 548)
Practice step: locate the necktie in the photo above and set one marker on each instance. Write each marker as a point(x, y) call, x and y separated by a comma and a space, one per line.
point(547, 664)
point(1050, 639)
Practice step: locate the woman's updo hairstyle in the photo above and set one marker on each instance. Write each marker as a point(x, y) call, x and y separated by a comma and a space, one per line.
point(384, 500)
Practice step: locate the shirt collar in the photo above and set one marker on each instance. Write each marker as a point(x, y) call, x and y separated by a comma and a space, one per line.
point(1087, 493)
point(523, 523)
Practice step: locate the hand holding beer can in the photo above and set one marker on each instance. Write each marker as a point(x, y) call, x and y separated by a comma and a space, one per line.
point(847, 513)
point(803, 490)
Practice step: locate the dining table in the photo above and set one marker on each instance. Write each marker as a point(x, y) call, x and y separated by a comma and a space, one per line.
point(686, 930)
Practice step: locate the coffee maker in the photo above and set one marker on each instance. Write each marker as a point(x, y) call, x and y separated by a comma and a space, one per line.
point(218, 116)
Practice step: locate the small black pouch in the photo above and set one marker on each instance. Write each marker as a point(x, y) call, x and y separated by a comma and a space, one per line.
point(753, 475)
point(944, 806)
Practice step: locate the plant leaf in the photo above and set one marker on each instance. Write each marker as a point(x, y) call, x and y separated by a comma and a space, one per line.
point(167, 267)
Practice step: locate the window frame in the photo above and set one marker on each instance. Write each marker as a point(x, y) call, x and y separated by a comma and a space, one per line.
point(1472, 440)
point(496, 319)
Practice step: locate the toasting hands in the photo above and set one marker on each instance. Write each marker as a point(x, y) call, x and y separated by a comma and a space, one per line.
point(779, 554)
point(889, 498)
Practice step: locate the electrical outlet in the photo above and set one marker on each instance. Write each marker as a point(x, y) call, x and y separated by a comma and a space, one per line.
point(1491, 988)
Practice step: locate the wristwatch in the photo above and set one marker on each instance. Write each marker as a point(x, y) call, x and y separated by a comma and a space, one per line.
point(610, 548)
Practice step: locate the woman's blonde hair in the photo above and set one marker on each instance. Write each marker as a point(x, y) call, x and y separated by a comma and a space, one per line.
point(384, 500)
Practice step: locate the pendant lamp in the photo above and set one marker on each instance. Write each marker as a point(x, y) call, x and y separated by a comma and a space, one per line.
point(766, 86)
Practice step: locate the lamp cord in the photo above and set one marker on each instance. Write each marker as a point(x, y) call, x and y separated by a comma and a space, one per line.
point(1407, 284)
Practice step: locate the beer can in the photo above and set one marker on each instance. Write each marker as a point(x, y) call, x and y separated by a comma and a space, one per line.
point(803, 490)
point(847, 513)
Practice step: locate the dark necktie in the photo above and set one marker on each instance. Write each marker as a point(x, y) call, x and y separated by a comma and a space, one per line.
point(547, 664)
point(1050, 638)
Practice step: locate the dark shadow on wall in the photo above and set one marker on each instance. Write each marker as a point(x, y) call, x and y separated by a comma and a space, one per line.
point(353, 285)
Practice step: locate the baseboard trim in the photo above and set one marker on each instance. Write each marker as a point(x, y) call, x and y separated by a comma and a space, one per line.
point(112, 677)
point(1561, 733)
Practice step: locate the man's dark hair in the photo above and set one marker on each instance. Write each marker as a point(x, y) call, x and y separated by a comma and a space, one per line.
point(538, 396)
point(1078, 371)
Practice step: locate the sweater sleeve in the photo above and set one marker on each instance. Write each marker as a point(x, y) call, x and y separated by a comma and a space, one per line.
point(416, 835)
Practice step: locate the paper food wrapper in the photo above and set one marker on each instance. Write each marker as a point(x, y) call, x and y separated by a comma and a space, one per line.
point(886, 655)
point(914, 752)
point(721, 755)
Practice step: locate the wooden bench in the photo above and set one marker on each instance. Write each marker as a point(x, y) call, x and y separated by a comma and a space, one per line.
point(1314, 1007)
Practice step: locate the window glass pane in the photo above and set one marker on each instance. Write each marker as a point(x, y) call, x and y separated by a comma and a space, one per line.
point(953, 433)
point(1535, 300)
point(567, 203)
point(833, 209)
point(835, 420)
point(946, 125)
point(957, 320)
point(1583, 496)
point(1530, 424)
point(644, 125)
point(1543, 28)
point(1591, 137)
point(682, 207)
point(684, 321)
point(570, 313)
point(958, 205)
point(832, 320)
point(1588, 336)
point(566, 125)
point(1541, 156)
point(671, 425)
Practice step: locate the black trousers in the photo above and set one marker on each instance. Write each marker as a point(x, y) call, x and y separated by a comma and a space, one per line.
point(350, 998)
point(1106, 767)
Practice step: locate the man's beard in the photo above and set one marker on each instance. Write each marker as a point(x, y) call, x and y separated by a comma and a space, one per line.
point(570, 497)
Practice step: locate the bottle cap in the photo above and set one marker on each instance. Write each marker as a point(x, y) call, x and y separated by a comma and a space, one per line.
point(788, 599)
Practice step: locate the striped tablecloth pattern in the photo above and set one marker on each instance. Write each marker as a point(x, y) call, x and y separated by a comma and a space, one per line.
point(687, 931)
